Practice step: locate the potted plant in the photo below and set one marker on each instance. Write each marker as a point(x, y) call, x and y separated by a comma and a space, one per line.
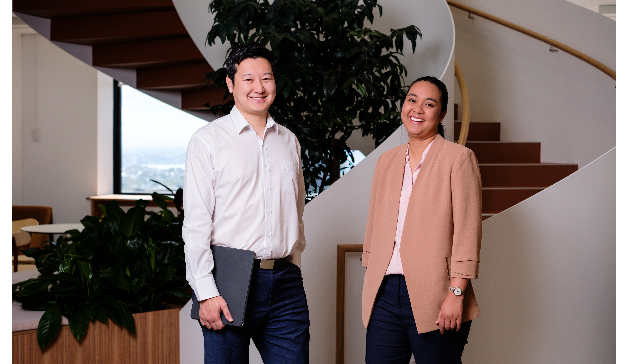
point(335, 76)
point(120, 264)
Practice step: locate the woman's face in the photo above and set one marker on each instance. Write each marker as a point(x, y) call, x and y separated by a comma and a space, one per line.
point(421, 110)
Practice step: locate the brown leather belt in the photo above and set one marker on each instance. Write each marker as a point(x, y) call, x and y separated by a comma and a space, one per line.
point(270, 263)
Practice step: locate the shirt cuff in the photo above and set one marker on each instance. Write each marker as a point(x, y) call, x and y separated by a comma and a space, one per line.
point(206, 288)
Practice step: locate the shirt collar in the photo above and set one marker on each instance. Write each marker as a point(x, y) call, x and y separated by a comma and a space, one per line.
point(240, 122)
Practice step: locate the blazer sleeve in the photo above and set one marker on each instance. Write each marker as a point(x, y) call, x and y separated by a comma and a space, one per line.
point(369, 220)
point(466, 198)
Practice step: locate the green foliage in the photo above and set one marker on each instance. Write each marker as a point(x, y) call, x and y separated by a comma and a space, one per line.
point(118, 265)
point(334, 75)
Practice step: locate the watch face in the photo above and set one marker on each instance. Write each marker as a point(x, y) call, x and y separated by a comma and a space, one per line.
point(456, 290)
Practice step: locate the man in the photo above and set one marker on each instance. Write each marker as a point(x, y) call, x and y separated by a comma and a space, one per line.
point(244, 189)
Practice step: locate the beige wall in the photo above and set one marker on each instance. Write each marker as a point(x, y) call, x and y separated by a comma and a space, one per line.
point(57, 97)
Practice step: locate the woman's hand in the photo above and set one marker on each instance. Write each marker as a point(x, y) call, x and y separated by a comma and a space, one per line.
point(450, 315)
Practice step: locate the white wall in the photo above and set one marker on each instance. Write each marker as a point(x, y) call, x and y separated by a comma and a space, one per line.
point(539, 96)
point(58, 97)
point(592, 5)
point(547, 277)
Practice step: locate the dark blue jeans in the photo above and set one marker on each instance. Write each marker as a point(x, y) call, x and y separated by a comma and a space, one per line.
point(276, 318)
point(392, 337)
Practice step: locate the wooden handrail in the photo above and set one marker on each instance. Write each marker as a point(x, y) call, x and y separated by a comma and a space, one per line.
point(466, 109)
point(538, 36)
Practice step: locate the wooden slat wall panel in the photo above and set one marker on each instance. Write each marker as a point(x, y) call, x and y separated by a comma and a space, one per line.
point(156, 341)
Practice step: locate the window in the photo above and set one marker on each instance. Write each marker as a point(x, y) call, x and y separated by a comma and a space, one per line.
point(151, 142)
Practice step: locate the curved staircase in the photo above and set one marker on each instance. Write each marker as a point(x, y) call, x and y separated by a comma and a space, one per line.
point(511, 172)
point(144, 44)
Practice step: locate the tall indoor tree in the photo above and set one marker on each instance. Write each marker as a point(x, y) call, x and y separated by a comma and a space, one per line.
point(334, 75)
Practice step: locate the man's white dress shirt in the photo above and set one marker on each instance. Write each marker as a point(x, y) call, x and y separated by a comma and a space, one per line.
point(241, 191)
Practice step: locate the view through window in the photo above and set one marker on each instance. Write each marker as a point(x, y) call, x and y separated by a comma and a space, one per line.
point(155, 137)
point(154, 140)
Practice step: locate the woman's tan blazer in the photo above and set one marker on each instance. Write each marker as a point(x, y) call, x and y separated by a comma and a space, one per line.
point(441, 234)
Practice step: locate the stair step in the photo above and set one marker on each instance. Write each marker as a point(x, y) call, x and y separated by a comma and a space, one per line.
point(506, 152)
point(479, 131)
point(178, 76)
point(146, 53)
point(98, 29)
point(195, 99)
point(524, 175)
point(496, 200)
point(66, 8)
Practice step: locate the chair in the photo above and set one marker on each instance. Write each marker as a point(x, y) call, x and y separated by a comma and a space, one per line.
point(43, 215)
point(21, 239)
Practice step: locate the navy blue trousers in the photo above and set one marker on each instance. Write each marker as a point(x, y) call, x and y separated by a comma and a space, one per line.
point(276, 318)
point(392, 337)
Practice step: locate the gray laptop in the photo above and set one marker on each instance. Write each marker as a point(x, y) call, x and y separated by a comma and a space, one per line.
point(232, 274)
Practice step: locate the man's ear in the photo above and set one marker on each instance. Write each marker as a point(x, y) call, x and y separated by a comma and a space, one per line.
point(229, 84)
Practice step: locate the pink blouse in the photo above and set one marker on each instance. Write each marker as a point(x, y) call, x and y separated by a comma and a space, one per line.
point(409, 176)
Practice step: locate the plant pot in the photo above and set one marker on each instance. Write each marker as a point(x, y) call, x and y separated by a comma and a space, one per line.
point(156, 341)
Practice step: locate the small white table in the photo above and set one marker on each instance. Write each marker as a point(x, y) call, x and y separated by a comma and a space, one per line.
point(52, 228)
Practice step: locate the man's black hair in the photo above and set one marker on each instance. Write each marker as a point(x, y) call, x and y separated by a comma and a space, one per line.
point(243, 51)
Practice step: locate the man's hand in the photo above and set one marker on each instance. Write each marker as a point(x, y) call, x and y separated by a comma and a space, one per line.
point(209, 312)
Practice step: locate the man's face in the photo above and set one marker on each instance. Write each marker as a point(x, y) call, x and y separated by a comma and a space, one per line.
point(253, 87)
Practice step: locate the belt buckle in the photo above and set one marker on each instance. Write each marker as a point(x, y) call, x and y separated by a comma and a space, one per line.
point(267, 264)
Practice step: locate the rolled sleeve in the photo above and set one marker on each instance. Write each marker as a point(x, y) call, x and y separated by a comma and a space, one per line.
point(466, 187)
point(198, 204)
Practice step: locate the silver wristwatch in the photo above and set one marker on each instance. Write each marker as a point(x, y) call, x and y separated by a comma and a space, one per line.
point(457, 291)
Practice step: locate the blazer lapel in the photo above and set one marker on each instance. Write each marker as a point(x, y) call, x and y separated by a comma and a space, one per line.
point(392, 192)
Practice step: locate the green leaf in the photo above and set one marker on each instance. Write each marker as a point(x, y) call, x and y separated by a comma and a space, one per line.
point(348, 82)
point(101, 315)
point(152, 253)
point(86, 269)
point(125, 316)
point(49, 326)
point(66, 265)
point(166, 187)
point(78, 323)
point(329, 84)
point(132, 221)
point(361, 89)
point(103, 208)
point(159, 200)
point(142, 203)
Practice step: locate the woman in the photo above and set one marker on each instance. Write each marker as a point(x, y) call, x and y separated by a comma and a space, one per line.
point(422, 241)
